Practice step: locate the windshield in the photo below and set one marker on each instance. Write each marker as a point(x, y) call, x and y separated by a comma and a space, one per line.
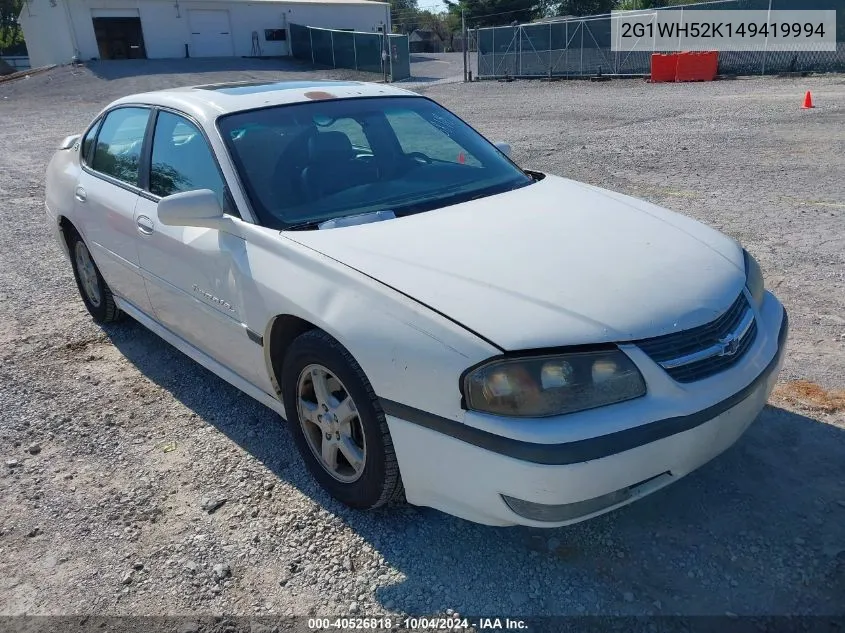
point(310, 162)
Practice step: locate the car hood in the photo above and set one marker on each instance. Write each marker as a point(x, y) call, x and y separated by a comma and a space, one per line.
point(555, 263)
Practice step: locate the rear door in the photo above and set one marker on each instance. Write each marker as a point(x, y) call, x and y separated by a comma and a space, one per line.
point(195, 275)
point(211, 34)
point(105, 198)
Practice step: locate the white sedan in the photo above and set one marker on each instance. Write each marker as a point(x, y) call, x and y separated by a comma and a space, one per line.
point(434, 322)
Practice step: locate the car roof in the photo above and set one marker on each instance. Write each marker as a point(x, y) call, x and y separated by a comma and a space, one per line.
point(209, 101)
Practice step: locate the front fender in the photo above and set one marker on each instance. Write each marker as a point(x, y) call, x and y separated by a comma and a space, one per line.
point(410, 354)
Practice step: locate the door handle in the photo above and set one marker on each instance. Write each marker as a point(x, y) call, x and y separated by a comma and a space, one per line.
point(145, 225)
point(80, 194)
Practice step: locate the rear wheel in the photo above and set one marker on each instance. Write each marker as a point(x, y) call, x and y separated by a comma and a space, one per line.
point(93, 289)
point(338, 424)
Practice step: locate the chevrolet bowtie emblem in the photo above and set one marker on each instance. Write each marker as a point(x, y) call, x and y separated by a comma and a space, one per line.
point(730, 345)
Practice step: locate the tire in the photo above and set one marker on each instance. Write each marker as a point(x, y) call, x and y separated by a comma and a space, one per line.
point(315, 356)
point(95, 292)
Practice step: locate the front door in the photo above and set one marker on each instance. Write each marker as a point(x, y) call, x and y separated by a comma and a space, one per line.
point(106, 195)
point(194, 275)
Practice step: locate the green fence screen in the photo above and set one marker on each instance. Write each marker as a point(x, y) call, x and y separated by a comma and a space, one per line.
point(582, 47)
point(351, 49)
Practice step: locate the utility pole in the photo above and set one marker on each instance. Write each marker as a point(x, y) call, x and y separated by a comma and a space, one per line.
point(464, 41)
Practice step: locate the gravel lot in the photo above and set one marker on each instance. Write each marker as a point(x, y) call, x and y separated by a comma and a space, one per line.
point(116, 447)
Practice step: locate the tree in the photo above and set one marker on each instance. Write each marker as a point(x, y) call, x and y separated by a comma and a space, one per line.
point(632, 5)
point(496, 12)
point(434, 22)
point(401, 7)
point(403, 13)
point(585, 7)
point(11, 36)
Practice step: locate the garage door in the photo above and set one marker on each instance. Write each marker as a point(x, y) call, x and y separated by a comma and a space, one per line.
point(211, 35)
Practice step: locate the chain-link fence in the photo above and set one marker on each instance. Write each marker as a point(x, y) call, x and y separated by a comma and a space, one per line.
point(351, 49)
point(582, 47)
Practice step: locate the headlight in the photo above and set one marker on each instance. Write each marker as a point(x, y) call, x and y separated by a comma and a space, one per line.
point(539, 386)
point(754, 279)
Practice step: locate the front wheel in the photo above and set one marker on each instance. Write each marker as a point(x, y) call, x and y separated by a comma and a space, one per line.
point(337, 423)
point(93, 289)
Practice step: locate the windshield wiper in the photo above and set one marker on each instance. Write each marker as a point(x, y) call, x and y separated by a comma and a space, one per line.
point(457, 198)
point(309, 225)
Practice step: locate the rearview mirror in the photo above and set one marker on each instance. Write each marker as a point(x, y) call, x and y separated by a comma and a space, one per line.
point(505, 148)
point(191, 208)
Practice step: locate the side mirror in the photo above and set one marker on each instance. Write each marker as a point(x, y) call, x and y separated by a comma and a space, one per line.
point(70, 141)
point(505, 148)
point(191, 208)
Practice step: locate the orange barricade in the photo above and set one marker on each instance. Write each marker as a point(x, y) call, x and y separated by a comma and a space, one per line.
point(664, 67)
point(690, 66)
point(697, 66)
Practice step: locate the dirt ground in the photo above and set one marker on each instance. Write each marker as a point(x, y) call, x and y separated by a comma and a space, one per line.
point(112, 443)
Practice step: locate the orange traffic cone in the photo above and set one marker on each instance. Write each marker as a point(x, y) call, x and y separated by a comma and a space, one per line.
point(808, 101)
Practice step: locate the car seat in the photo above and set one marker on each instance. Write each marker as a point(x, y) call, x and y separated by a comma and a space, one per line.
point(333, 167)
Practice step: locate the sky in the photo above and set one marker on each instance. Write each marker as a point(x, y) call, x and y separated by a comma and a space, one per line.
point(431, 5)
point(437, 6)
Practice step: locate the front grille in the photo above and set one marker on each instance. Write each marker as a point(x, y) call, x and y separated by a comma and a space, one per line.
point(701, 352)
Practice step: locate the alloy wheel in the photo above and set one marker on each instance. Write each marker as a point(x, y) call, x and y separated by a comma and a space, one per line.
point(331, 424)
point(87, 274)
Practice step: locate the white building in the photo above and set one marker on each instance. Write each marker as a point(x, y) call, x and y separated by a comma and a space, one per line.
point(56, 31)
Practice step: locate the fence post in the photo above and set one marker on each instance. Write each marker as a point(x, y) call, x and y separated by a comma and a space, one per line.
point(385, 44)
point(679, 33)
point(519, 48)
point(581, 72)
point(464, 41)
point(494, 50)
point(550, 50)
point(311, 40)
point(334, 61)
point(566, 35)
point(766, 45)
point(616, 55)
point(355, 50)
point(477, 58)
point(654, 38)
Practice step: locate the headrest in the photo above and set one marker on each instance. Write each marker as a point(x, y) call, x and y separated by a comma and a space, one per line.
point(329, 145)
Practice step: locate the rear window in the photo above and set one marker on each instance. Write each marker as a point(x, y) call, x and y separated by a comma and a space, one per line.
point(118, 149)
point(88, 142)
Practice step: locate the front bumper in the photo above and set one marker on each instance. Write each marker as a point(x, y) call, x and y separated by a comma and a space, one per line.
point(470, 473)
point(56, 230)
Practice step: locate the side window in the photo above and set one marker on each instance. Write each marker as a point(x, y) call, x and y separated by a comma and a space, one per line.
point(88, 142)
point(118, 150)
point(430, 138)
point(182, 160)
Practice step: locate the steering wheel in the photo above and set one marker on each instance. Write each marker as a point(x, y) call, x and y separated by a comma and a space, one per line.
point(419, 156)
